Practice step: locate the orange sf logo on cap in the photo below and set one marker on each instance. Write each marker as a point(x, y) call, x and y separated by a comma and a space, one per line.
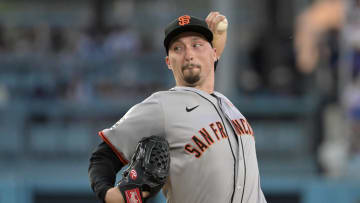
point(184, 20)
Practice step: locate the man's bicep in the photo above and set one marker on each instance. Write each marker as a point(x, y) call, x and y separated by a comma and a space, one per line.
point(104, 153)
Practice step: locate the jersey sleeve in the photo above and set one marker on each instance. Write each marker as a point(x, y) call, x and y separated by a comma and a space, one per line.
point(142, 120)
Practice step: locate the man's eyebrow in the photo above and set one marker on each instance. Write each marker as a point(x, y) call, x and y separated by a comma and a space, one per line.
point(196, 38)
point(175, 42)
point(193, 38)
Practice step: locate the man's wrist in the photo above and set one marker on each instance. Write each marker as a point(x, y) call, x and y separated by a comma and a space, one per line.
point(113, 195)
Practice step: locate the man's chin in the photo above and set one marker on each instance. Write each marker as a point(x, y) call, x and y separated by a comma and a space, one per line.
point(192, 80)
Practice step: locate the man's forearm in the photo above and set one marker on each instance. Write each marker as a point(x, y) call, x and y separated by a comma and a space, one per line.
point(103, 167)
point(220, 37)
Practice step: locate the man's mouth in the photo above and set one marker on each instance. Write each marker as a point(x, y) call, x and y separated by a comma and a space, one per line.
point(190, 66)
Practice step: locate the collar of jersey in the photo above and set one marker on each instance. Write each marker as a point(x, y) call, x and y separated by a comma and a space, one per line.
point(202, 93)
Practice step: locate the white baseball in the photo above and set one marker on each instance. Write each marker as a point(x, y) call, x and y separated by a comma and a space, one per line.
point(222, 25)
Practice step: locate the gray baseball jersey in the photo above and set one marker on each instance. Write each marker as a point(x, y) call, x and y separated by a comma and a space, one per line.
point(212, 146)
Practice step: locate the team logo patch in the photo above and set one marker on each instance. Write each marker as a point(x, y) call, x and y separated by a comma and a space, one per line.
point(184, 20)
point(133, 196)
point(133, 174)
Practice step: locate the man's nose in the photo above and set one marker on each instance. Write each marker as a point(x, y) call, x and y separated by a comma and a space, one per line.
point(189, 54)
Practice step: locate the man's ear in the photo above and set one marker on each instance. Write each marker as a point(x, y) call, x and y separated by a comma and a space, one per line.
point(167, 61)
point(215, 55)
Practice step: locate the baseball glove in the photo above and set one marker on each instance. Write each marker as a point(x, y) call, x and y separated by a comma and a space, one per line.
point(147, 171)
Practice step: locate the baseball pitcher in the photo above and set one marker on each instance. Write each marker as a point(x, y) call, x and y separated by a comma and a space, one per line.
point(202, 148)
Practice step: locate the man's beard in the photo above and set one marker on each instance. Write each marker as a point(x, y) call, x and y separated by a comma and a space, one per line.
point(191, 78)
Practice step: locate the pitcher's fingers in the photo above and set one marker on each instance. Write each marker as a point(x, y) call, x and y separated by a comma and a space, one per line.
point(210, 20)
point(210, 16)
point(218, 19)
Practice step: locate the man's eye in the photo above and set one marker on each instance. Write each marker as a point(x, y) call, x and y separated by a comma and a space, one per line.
point(177, 48)
point(197, 45)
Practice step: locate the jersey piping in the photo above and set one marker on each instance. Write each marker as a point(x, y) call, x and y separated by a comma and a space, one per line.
point(242, 149)
point(118, 154)
point(232, 151)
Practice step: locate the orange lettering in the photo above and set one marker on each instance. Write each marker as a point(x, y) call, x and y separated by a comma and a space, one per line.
point(221, 129)
point(243, 122)
point(214, 130)
point(206, 136)
point(250, 128)
point(191, 150)
point(238, 128)
point(199, 143)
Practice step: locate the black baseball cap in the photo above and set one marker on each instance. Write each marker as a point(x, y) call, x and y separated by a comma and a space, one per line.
point(186, 23)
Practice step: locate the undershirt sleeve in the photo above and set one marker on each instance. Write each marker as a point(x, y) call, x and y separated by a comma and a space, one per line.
point(103, 167)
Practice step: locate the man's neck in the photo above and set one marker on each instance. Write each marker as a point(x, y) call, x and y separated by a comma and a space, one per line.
point(209, 89)
point(206, 86)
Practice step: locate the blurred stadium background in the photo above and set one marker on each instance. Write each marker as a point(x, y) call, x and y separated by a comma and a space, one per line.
point(69, 69)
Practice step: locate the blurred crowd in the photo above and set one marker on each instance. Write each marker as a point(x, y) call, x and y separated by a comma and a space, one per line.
point(118, 62)
point(89, 42)
point(297, 75)
point(73, 63)
point(327, 45)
